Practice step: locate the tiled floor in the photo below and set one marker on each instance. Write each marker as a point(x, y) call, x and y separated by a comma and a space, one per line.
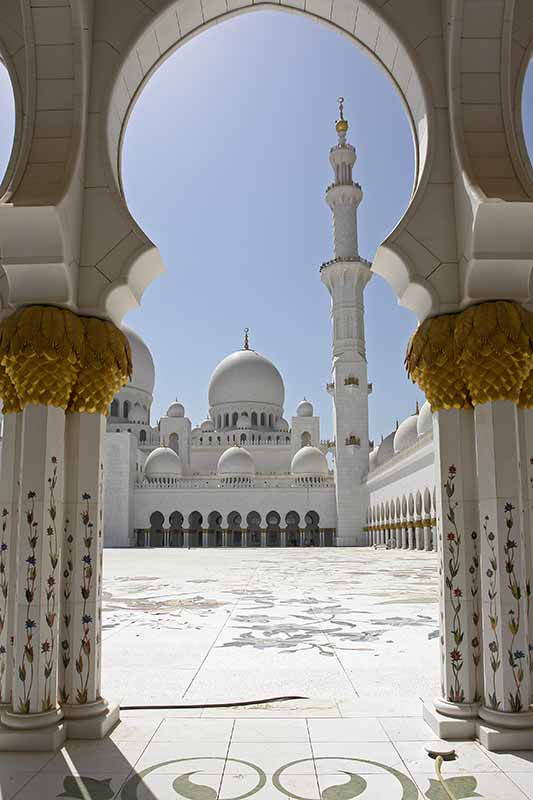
point(159, 758)
point(354, 631)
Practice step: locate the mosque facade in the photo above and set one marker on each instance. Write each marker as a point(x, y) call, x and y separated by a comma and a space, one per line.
point(246, 477)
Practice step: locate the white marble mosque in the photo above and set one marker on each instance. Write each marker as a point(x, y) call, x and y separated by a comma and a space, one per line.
point(245, 477)
point(459, 480)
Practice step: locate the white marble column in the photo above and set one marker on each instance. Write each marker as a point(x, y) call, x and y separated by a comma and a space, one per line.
point(263, 537)
point(428, 545)
point(35, 710)
point(88, 713)
point(525, 431)
point(9, 523)
point(458, 533)
point(507, 679)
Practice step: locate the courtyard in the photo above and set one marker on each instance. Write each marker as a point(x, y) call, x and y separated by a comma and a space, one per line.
point(352, 633)
point(337, 626)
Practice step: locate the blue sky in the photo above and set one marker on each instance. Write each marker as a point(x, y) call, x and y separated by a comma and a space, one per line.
point(225, 164)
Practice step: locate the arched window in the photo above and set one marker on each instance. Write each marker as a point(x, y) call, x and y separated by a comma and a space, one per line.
point(259, 439)
point(243, 438)
point(226, 420)
point(254, 419)
point(270, 438)
point(277, 439)
point(234, 418)
point(114, 412)
point(125, 409)
point(210, 439)
point(305, 439)
point(270, 418)
point(287, 440)
point(263, 420)
point(201, 439)
point(142, 436)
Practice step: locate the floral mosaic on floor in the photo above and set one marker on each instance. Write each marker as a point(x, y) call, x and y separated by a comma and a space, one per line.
point(187, 783)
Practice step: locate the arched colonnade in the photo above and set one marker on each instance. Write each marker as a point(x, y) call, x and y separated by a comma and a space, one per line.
point(68, 241)
point(407, 522)
point(195, 530)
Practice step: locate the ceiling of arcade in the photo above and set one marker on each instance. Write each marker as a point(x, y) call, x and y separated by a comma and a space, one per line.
point(77, 67)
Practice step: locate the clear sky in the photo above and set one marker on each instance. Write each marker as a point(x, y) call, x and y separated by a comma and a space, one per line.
point(225, 164)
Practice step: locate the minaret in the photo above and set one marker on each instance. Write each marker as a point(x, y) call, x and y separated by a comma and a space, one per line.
point(346, 276)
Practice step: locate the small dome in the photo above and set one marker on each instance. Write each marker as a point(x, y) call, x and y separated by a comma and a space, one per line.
point(243, 421)
point(143, 375)
point(385, 449)
point(207, 426)
point(236, 461)
point(425, 420)
point(309, 461)
point(304, 409)
point(282, 425)
point(406, 435)
point(175, 409)
point(163, 462)
point(373, 459)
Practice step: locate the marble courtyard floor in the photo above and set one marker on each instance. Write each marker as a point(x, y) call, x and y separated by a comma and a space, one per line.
point(351, 631)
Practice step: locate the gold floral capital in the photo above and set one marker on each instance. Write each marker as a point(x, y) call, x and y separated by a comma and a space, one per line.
point(481, 354)
point(51, 356)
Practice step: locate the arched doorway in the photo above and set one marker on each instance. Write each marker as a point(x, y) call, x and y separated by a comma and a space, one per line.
point(215, 533)
point(174, 442)
point(273, 536)
point(234, 529)
point(157, 533)
point(253, 530)
point(292, 529)
point(176, 534)
point(312, 529)
point(195, 529)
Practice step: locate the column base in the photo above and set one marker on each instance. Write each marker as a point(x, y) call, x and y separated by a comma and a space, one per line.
point(32, 732)
point(450, 728)
point(92, 720)
point(503, 732)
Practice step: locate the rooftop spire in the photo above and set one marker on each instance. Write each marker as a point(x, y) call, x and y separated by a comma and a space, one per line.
point(246, 343)
point(341, 126)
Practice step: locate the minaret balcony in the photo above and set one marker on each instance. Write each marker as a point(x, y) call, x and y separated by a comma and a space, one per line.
point(330, 388)
point(340, 194)
point(346, 260)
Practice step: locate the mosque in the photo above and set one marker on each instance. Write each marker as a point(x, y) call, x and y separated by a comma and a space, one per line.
point(246, 477)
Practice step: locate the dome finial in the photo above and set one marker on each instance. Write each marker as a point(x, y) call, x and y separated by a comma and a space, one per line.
point(417, 409)
point(341, 126)
point(246, 343)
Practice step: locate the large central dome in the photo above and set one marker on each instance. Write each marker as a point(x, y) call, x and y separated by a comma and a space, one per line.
point(246, 377)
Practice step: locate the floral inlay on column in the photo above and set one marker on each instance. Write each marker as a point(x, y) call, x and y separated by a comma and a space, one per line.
point(3, 603)
point(456, 692)
point(67, 614)
point(516, 657)
point(494, 645)
point(26, 663)
point(83, 665)
point(476, 617)
point(47, 647)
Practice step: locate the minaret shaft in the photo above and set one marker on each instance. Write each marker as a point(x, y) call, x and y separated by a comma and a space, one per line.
point(346, 277)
